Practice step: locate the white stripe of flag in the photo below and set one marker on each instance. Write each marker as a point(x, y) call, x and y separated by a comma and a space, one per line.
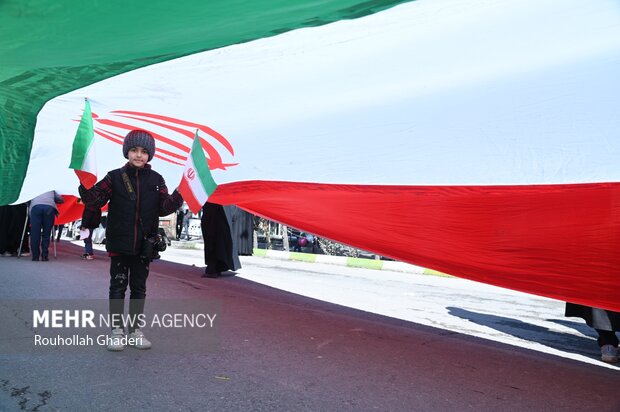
point(197, 183)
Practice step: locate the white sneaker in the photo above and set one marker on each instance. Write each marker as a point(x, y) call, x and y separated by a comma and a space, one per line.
point(115, 340)
point(609, 353)
point(137, 340)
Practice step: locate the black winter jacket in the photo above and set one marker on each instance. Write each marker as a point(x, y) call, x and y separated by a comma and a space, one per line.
point(131, 217)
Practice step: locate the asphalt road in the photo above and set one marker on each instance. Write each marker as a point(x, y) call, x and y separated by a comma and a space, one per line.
point(432, 343)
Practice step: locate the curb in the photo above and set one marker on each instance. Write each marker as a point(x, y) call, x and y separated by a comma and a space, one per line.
point(327, 259)
point(353, 262)
point(346, 261)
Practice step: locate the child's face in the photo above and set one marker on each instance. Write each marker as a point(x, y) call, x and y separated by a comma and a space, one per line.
point(138, 157)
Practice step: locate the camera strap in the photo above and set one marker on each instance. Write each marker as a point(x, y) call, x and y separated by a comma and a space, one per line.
point(128, 186)
point(132, 196)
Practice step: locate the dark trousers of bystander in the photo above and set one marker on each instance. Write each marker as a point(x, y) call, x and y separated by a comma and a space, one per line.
point(607, 337)
point(41, 223)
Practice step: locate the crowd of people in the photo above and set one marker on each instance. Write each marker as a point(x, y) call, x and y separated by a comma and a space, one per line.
point(133, 218)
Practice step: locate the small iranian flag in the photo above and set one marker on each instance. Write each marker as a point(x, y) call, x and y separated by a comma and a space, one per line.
point(83, 160)
point(197, 183)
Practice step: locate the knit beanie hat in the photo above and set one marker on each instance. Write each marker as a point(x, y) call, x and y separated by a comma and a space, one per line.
point(140, 138)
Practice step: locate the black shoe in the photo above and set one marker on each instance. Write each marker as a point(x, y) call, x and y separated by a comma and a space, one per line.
point(45, 259)
point(35, 259)
point(211, 275)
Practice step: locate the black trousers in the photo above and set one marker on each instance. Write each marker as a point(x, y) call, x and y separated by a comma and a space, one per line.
point(607, 337)
point(126, 271)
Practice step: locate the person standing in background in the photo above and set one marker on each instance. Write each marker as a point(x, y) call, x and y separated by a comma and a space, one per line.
point(220, 253)
point(179, 225)
point(43, 211)
point(186, 219)
point(58, 230)
point(241, 228)
point(605, 322)
point(91, 218)
point(13, 225)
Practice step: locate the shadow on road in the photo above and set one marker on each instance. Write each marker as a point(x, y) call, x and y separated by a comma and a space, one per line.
point(580, 327)
point(567, 342)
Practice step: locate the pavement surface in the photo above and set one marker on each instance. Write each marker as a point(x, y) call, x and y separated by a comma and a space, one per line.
point(360, 340)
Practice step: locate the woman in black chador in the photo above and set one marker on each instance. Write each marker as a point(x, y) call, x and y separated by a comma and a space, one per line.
point(605, 322)
point(220, 254)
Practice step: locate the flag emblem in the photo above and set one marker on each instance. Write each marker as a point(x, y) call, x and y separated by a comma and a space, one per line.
point(191, 174)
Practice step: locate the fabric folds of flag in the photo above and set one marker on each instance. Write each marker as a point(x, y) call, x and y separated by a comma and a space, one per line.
point(197, 184)
point(83, 160)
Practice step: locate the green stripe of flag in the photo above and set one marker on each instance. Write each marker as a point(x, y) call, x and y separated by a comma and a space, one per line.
point(83, 139)
point(202, 167)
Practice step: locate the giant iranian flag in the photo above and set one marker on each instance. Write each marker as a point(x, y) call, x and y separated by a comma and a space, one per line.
point(478, 138)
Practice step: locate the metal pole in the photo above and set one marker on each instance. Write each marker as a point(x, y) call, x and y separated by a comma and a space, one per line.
point(53, 239)
point(21, 241)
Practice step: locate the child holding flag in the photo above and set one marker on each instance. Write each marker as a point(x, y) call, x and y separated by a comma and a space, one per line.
point(137, 196)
